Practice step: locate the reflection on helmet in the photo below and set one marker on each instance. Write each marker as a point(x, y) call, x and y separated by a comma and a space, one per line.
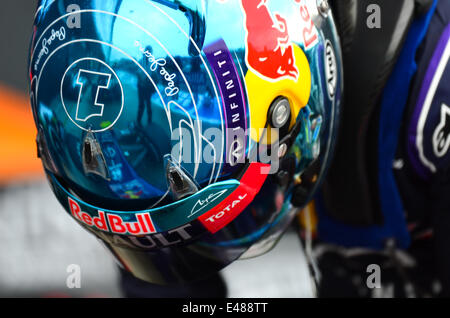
point(179, 131)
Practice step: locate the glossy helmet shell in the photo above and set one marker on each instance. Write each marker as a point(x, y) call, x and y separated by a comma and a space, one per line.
point(184, 134)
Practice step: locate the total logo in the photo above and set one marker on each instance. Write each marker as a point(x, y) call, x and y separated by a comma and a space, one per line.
point(113, 223)
point(230, 208)
point(227, 211)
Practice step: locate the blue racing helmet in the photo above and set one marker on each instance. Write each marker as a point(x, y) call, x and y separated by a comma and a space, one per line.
point(184, 134)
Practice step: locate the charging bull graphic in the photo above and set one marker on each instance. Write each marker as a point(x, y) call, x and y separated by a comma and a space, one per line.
point(277, 64)
point(269, 50)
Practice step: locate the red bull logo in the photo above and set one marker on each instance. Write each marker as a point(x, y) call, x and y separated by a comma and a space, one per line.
point(113, 223)
point(270, 52)
point(275, 56)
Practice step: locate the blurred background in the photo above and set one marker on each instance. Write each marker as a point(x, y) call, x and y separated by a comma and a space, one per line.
point(38, 239)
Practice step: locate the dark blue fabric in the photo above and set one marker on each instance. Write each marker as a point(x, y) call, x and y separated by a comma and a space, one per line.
point(393, 103)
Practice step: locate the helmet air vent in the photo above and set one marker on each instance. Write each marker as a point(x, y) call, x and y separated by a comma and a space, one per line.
point(93, 158)
point(180, 184)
